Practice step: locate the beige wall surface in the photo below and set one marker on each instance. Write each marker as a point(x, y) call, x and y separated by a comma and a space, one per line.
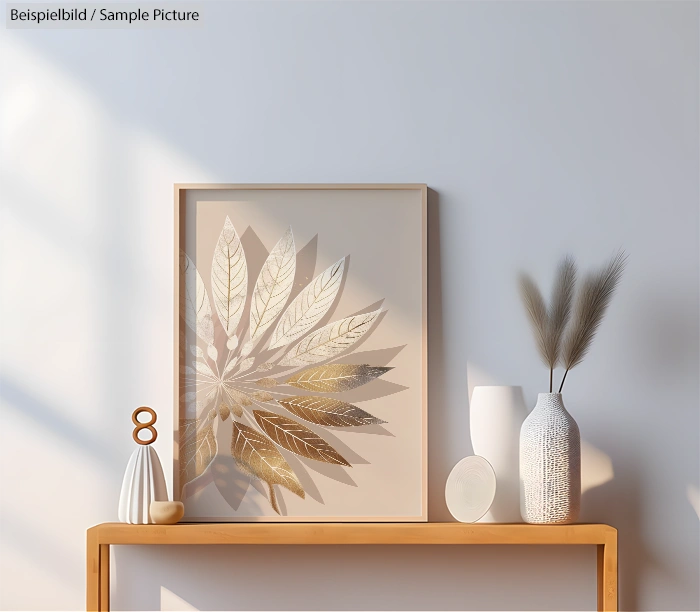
point(541, 127)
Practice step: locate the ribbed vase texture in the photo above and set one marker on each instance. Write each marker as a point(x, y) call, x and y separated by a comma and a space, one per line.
point(550, 463)
point(143, 483)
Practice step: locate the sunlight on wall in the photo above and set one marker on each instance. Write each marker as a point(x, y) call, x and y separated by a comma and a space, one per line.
point(172, 603)
point(596, 467)
point(86, 248)
point(49, 175)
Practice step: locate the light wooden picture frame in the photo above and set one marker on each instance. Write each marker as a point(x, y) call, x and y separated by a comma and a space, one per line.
point(300, 369)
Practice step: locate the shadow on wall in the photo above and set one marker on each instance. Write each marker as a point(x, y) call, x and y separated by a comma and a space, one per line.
point(448, 432)
point(615, 498)
point(270, 578)
point(693, 495)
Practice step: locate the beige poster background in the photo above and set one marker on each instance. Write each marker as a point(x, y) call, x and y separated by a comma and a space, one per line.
point(380, 232)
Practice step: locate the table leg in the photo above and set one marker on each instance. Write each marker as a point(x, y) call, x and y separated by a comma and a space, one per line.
point(93, 572)
point(104, 577)
point(607, 576)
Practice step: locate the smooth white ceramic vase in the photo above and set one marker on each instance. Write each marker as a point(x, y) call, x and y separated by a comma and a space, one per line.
point(143, 483)
point(496, 414)
point(550, 463)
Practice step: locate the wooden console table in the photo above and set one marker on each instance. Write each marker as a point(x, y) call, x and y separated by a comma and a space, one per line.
point(101, 537)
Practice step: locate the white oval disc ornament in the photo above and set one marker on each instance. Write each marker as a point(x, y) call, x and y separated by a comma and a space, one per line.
point(470, 489)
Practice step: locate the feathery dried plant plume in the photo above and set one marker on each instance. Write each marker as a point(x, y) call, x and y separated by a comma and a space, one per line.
point(560, 309)
point(591, 304)
point(539, 319)
point(548, 324)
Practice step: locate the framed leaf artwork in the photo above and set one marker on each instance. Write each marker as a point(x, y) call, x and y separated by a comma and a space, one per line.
point(300, 374)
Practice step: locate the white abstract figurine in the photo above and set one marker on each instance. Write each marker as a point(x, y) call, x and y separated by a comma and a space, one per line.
point(144, 481)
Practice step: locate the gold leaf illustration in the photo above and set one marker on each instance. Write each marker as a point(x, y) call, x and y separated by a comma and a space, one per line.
point(296, 438)
point(262, 396)
point(257, 455)
point(224, 412)
point(233, 404)
point(188, 428)
point(328, 412)
point(237, 395)
point(195, 308)
point(212, 414)
point(335, 377)
point(264, 367)
point(198, 449)
point(273, 286)
point(266, 383)
point(330, 340)
point(309, 306)
point(229, 278)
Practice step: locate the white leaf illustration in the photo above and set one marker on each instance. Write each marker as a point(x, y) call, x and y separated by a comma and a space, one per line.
point(203, 368)
point(330, 340)
point(194, 301)
point(210, 397)
point(229, 278)
point(247, 348)
point(229, 367)
point(273, 286)
point(232, 343)
point(197, 352)
point(246, 364)
point(212, 352)
point(309, 306)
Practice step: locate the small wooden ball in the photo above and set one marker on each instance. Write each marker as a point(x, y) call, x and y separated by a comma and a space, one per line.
point(166, 512)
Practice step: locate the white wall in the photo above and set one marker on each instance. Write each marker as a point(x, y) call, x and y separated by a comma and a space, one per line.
point(541, 128)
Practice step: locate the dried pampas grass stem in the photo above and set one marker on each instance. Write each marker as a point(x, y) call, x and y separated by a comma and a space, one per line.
point(592, 302)
point(560, 311)
point(548, 325)
point(539, 321)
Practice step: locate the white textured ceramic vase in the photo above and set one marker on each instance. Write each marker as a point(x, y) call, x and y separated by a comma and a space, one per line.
point(143, 483)
point(496, 414)
point(550, 463)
